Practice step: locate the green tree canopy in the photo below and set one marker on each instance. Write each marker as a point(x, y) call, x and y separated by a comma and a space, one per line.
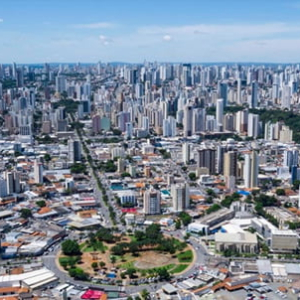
point(26, 213)
point(70, 247)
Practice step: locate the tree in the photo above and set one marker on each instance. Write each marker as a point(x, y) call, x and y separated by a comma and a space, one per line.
point(102, 264)
point(139, 235)
point(130, 272)
point(215, 207)
point(153, 232)
point(192, 176)
point(78, 168)
point(296, 184)
point(185, 218)
point(113, 260)
point(26, 213)
point(125, 174)
point(133, 248)
point(47, 157)
point(78, 273)
point(70, 247)
point(178, 224)
point(164, 274)
point(116, 131)
point(211, 193)
point(94, 265)
point(40, 203)
point(280, 192)
point(145, 294)
point(64, 263)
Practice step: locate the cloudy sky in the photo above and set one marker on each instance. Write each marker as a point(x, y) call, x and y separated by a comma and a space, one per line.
point(35, 31)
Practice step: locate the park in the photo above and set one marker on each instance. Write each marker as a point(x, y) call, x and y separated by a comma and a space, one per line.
point(106, 255)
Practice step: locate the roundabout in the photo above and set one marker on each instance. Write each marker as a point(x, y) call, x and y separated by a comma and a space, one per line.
point(111, 258)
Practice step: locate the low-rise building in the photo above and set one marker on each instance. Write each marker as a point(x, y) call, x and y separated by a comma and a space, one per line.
point(241, 242)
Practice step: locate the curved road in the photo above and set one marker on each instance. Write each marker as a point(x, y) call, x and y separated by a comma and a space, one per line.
point(200, 259)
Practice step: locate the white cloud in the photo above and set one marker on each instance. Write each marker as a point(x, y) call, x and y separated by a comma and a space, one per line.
point(100, 25)
point(167, 38)
point(232, 31)
point(105, 40)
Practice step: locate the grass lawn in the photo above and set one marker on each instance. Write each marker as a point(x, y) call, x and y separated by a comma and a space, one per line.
point(185, 257)
point(132, 238)
point(127, 265)
point(179, 268)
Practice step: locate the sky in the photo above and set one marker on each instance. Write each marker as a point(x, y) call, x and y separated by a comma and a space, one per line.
point(37, 31)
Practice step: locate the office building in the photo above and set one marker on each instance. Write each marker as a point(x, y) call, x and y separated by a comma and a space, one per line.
point(219, 114)
point(251, 170)
point(253, 125)
point(180, 194)
point(186, 153)
point(96, 123)
point(187, 121)
point(13, 182)
point(207, 159)
point(152, 202)
point(254, 95)
point(38, 172)
point(60, 83)
point(230, 164)
point(224, 92)
point(74, 151)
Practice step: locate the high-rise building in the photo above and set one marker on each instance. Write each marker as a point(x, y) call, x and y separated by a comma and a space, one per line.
point(120, 165)
point(169, 127)
point(74, 148)
point(145, 122)
point(221, 150)
point(224, 92)
point(96, 123)
point(254, 95)
point(242, 121)
point(269, 131)
point(38, 172)
point(239, 91)
point(180, 196)
point(219, 114)
point(60, 83)
point(3, 187)
point(13, 182)
point(207, 159)
point(186, 153)
point(230, 164)
point(291, 158)
point(152, 202)
point(199, 120)
point(128, 130)
point(187, 74)
point(251, 170)
point(286, 97)
point(188, 121)
point(253, 125)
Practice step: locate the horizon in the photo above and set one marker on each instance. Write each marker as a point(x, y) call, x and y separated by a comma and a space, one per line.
point(159, 62)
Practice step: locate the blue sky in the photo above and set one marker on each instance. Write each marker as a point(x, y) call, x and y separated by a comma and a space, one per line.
point(35, 31)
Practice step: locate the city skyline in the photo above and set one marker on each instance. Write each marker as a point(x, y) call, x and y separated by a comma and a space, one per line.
point(190, 31)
